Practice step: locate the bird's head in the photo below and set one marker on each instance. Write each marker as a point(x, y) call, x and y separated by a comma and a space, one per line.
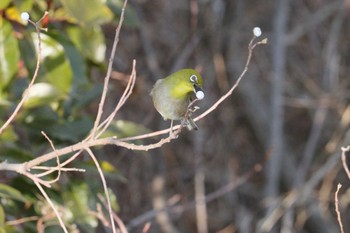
point(185, 82)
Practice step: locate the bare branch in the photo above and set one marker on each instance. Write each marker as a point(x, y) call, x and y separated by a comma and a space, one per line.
point(343, 159)
point(109, 71)
point(93, 157)
point(337, 209)
point(52, 205)
point(26, 92)
point(57, 159)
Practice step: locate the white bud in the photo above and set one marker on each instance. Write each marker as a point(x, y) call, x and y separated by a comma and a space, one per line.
point(257, 31)
point(200, 95)
point(25, 16)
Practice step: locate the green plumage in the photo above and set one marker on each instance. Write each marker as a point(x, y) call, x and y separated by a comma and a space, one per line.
point(172, 95)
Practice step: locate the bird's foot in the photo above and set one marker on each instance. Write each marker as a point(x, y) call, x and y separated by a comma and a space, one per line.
point(172, 134)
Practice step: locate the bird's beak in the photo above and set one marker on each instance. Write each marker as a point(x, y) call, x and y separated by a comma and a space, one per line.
point(198, 91)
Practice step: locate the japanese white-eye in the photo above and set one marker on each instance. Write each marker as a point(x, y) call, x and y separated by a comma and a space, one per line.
point(173, 94)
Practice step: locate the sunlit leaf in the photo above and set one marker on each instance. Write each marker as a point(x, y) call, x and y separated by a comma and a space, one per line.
point(24, 5)
point(107, 166)
point(4, 3)
point(8, 135)
point(123, 128)
point(88, 12)
point(42, 94)
point(90, 42)
point(55, 64)
point(9, 54)
point(75, 59)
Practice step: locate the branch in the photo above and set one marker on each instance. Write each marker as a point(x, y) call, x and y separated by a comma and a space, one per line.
point(343, 159)
point(337, 209)
point(26, 92)
point(109, 71)
point(93, 157)
point(251, 48)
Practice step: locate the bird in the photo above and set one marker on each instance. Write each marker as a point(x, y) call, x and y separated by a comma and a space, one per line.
point(173, 95)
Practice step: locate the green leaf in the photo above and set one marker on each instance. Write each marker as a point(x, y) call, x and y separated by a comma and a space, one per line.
point(9, 135)
point(13, 152)
point(28, 52)
point(77, 200)
point(113, 198)
point(71, 130)
point(131, 20)
point(23, 5)
point(7, 191)
point(75, 59)
point(107, 166)
point(4, 3)
point(90, 41)
point(88, 12)
point(42, 94)
point(57, 68)
point(2, 218)
point(122, 128)
point(9, 54)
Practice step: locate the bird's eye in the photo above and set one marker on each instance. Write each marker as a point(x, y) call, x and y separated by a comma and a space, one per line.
point(194, 79)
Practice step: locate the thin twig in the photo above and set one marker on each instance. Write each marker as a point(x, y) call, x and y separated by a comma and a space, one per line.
point(109, 71)
point(62, 165)
point(22, 220)
point(36, 72)
point(93, 157)
point(52, 206)
point(148, 216)
point(251, 47)
point(120, 223)
point(337, 209)
point(23, 168)
point(123, 98)
point(57, 159)
point(343, 159)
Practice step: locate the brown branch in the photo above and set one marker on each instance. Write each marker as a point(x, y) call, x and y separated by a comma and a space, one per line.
point(148, 216)
point(99, 169)
point(57, 159)
point(127, 92)
point(109, 71)
point(52, 206)
point(36, 72)
point(343, 159)
point(23, 168)
point(22, 220)
point(92, 140)
point(337, 209)
point(120, 223)
point(251, 47)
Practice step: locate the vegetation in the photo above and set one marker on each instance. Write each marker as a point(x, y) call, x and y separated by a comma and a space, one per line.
point(81, 143)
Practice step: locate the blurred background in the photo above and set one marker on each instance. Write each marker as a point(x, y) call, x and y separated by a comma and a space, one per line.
point(266, 160)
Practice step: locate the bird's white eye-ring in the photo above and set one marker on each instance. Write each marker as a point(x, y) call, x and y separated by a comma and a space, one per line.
point(194, 79)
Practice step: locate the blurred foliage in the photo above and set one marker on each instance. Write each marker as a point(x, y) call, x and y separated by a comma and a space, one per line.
point(72, 48)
